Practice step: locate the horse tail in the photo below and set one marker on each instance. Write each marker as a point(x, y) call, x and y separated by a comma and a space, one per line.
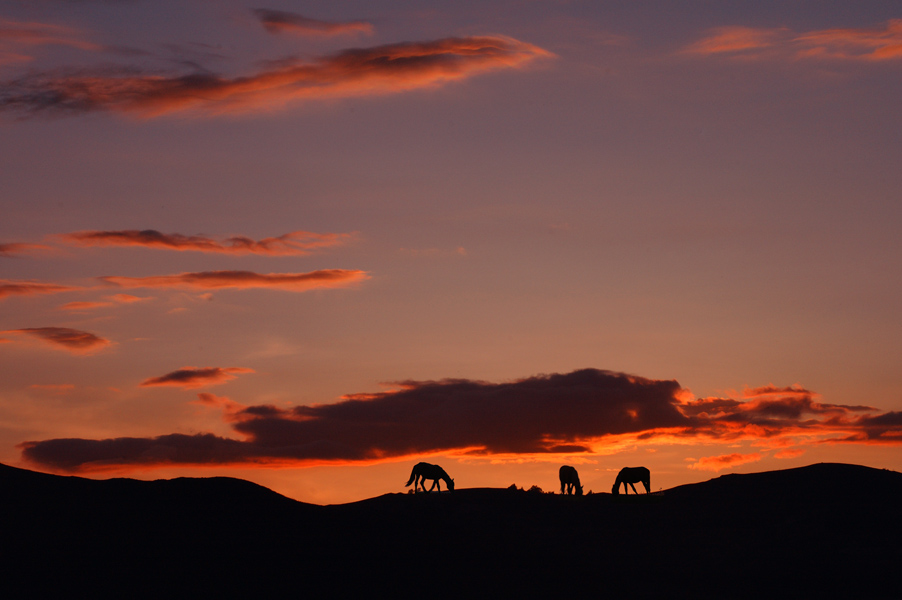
point(412, 476)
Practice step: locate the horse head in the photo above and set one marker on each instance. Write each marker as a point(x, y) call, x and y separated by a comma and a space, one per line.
point(616, 489)
point(579, 490)
point(450, 483)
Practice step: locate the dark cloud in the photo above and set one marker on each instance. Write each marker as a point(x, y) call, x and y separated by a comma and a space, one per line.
point(577, 412)
point(73, 340)
point(24, 288)
point(544, 414)
point(296, 243)
point(195, 377)
point(293, 282)
point(366, 71)
point(278, 21)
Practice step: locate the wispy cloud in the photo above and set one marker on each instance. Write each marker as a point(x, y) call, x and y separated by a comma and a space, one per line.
point(718, 463)
point(23, 288)
point(72, 340)
point(359, 72)
point(11, 249)
point(30, 33)
point(85, 306)
point(296, 243)
point(195, 377)
point(292, 282)
point(580, 412)
point(278, 21)
point(57, 389)
point(859, 44)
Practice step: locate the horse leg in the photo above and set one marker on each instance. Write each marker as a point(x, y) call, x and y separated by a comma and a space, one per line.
point(634, 489)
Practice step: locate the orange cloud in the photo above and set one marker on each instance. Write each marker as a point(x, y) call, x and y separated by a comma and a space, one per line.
point(195, 377)
point(111, 301)
point(73, 340)
point(83, 306)
point(359, 72)
point(296, 243)
point(127, 298)
point(717, 463)
point(277, 21)
point(24, 288)
point(14, 249)
point(789, 453)
point(23, 33)
point(292, 282)
point(876, 44)
point(737, 39)
point(54, 388)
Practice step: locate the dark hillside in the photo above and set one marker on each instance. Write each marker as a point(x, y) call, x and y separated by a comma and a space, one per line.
point(820, 531)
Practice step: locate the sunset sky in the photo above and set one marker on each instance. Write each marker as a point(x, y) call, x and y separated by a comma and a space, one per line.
point(310, 244)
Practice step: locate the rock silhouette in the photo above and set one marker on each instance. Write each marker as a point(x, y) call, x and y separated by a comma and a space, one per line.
point(736, 536)
point(423, 471)
point(570, 480)
point(629, 476)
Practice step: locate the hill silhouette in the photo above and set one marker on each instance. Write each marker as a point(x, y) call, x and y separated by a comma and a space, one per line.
point(825, 530)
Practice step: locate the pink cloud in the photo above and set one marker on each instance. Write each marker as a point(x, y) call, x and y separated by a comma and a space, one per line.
point(11, 249)
point(24, 288)
point(385, 69)
point(296, 243)
point(24, 33)
point(859, 44)
point(278, 21)
point(195, 377)
point(83, 306)
point(72, 340)
point(292, 282)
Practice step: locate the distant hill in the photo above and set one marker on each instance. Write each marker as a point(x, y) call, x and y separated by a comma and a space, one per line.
point(826, 530)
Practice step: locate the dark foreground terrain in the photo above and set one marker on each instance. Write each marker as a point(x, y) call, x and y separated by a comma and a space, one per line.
point(822, 531)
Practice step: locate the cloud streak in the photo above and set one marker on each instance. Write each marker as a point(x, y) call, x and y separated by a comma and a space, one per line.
point(357, 72)
point(584, 411)
point(72, 340)
point(195, 377)
point(25, 33)
point(850, 44)
point(26, 288)
point(718, 463)
point(214, 280)
point(11, 249)
point(278, 21)
point(295, 243)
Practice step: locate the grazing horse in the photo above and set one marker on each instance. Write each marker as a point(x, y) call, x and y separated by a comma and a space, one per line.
point(423, 471)
point(631, 475)
point(570, 479)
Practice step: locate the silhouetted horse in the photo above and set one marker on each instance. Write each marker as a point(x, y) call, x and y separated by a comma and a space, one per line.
point(631, 475)
point(570, 479)
point(423, 471)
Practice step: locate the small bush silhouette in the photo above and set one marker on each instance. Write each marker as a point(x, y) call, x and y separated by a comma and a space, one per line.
point(536, 489)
